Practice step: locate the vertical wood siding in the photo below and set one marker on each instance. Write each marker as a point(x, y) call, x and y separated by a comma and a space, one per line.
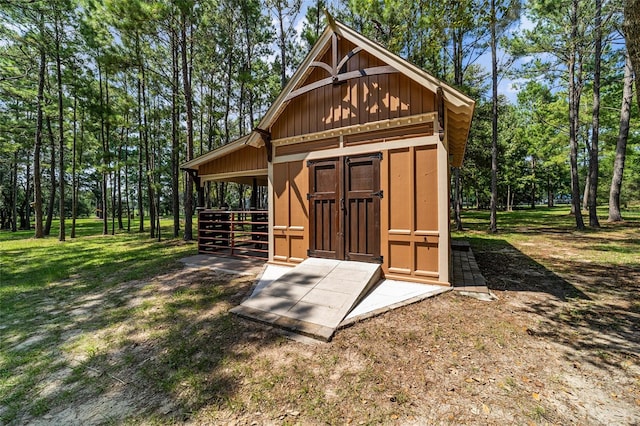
point(291, 216)
point(409, 214)
point(356, 101)
point(245, 159)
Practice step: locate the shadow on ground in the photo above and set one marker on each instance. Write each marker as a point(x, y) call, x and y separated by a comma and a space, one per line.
point(592, 309)
point(164, 348)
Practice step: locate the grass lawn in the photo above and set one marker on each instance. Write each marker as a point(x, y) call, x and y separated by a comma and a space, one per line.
point(41, 282)
point(112, 329)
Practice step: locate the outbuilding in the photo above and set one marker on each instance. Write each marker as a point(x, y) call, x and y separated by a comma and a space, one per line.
point(356, 154)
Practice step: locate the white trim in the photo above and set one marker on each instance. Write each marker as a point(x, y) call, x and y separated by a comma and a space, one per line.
point(399, 231)
point(360, 149)
point(270, 238)
point(427, 233)
point(443, 209)
point(393, 123)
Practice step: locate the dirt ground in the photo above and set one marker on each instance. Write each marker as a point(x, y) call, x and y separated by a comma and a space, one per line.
point(560, 345)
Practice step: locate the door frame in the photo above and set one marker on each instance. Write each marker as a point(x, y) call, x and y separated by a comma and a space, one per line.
point(335, 196)
point(342, 212)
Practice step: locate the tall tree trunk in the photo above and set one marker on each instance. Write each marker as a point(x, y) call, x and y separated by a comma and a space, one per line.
point(282, 39)
point(229, 82)
point(14, 193)
point(621, 145)
point(533, 182)
point(175, 143)
point(587, 187)
point(141, 131)
point(74, 177)
point(632, 36)
point(595, 128)
point(37, 146)
point(250, 47)
point(126, 180)
point(119, 177)
point(107, 153)
point(458, 79)
point(61, 234)
point(457, 204)
point(493, 223)
point(574, 107)
point(148, 156)
point(105, 165)
point(52, 195)
point(186, 81)
point(27, 195)
point(549, 191)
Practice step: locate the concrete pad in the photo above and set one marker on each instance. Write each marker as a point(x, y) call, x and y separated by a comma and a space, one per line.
point(230, 265)
point(339, 276)
point(391, 294)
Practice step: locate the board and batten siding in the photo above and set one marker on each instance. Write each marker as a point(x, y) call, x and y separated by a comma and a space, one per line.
point(245, 159)
point(357, 101)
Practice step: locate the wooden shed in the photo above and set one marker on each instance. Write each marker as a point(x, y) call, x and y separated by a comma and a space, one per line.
point(356, 153)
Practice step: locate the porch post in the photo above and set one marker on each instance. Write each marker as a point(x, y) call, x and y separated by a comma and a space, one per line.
point(254, 195)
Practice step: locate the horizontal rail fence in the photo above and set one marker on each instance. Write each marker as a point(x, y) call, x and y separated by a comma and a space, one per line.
point(237, 233)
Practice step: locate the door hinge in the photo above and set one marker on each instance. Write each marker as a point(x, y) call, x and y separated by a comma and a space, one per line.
point(378, 194)
point(308, 196)
point(377, 155)
point(379, 259)
point(308, 253)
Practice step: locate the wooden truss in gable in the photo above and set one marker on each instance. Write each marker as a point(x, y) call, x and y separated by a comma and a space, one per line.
point(337, 70)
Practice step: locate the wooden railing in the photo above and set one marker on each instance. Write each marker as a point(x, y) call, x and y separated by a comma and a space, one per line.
point(236, 233)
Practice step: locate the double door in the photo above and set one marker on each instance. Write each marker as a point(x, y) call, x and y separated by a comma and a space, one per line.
point(344, 208)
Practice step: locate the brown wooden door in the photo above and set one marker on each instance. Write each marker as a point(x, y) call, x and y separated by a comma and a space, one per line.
point(362, 202)
point(344, 208)
point(325, 216)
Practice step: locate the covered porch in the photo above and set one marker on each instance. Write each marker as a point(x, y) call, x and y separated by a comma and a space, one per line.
point(241, 230)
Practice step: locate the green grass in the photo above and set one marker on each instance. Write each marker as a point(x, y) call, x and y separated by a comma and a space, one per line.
point(38, 276)
point(612, 243)
point(543, 218)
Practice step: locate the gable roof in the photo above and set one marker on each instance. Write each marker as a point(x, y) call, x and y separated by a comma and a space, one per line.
point(460, 107)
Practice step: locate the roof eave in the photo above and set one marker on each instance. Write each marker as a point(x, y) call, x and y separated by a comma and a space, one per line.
point(216, 153)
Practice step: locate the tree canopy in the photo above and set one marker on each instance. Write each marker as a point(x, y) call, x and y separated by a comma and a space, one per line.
point(101, 101)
